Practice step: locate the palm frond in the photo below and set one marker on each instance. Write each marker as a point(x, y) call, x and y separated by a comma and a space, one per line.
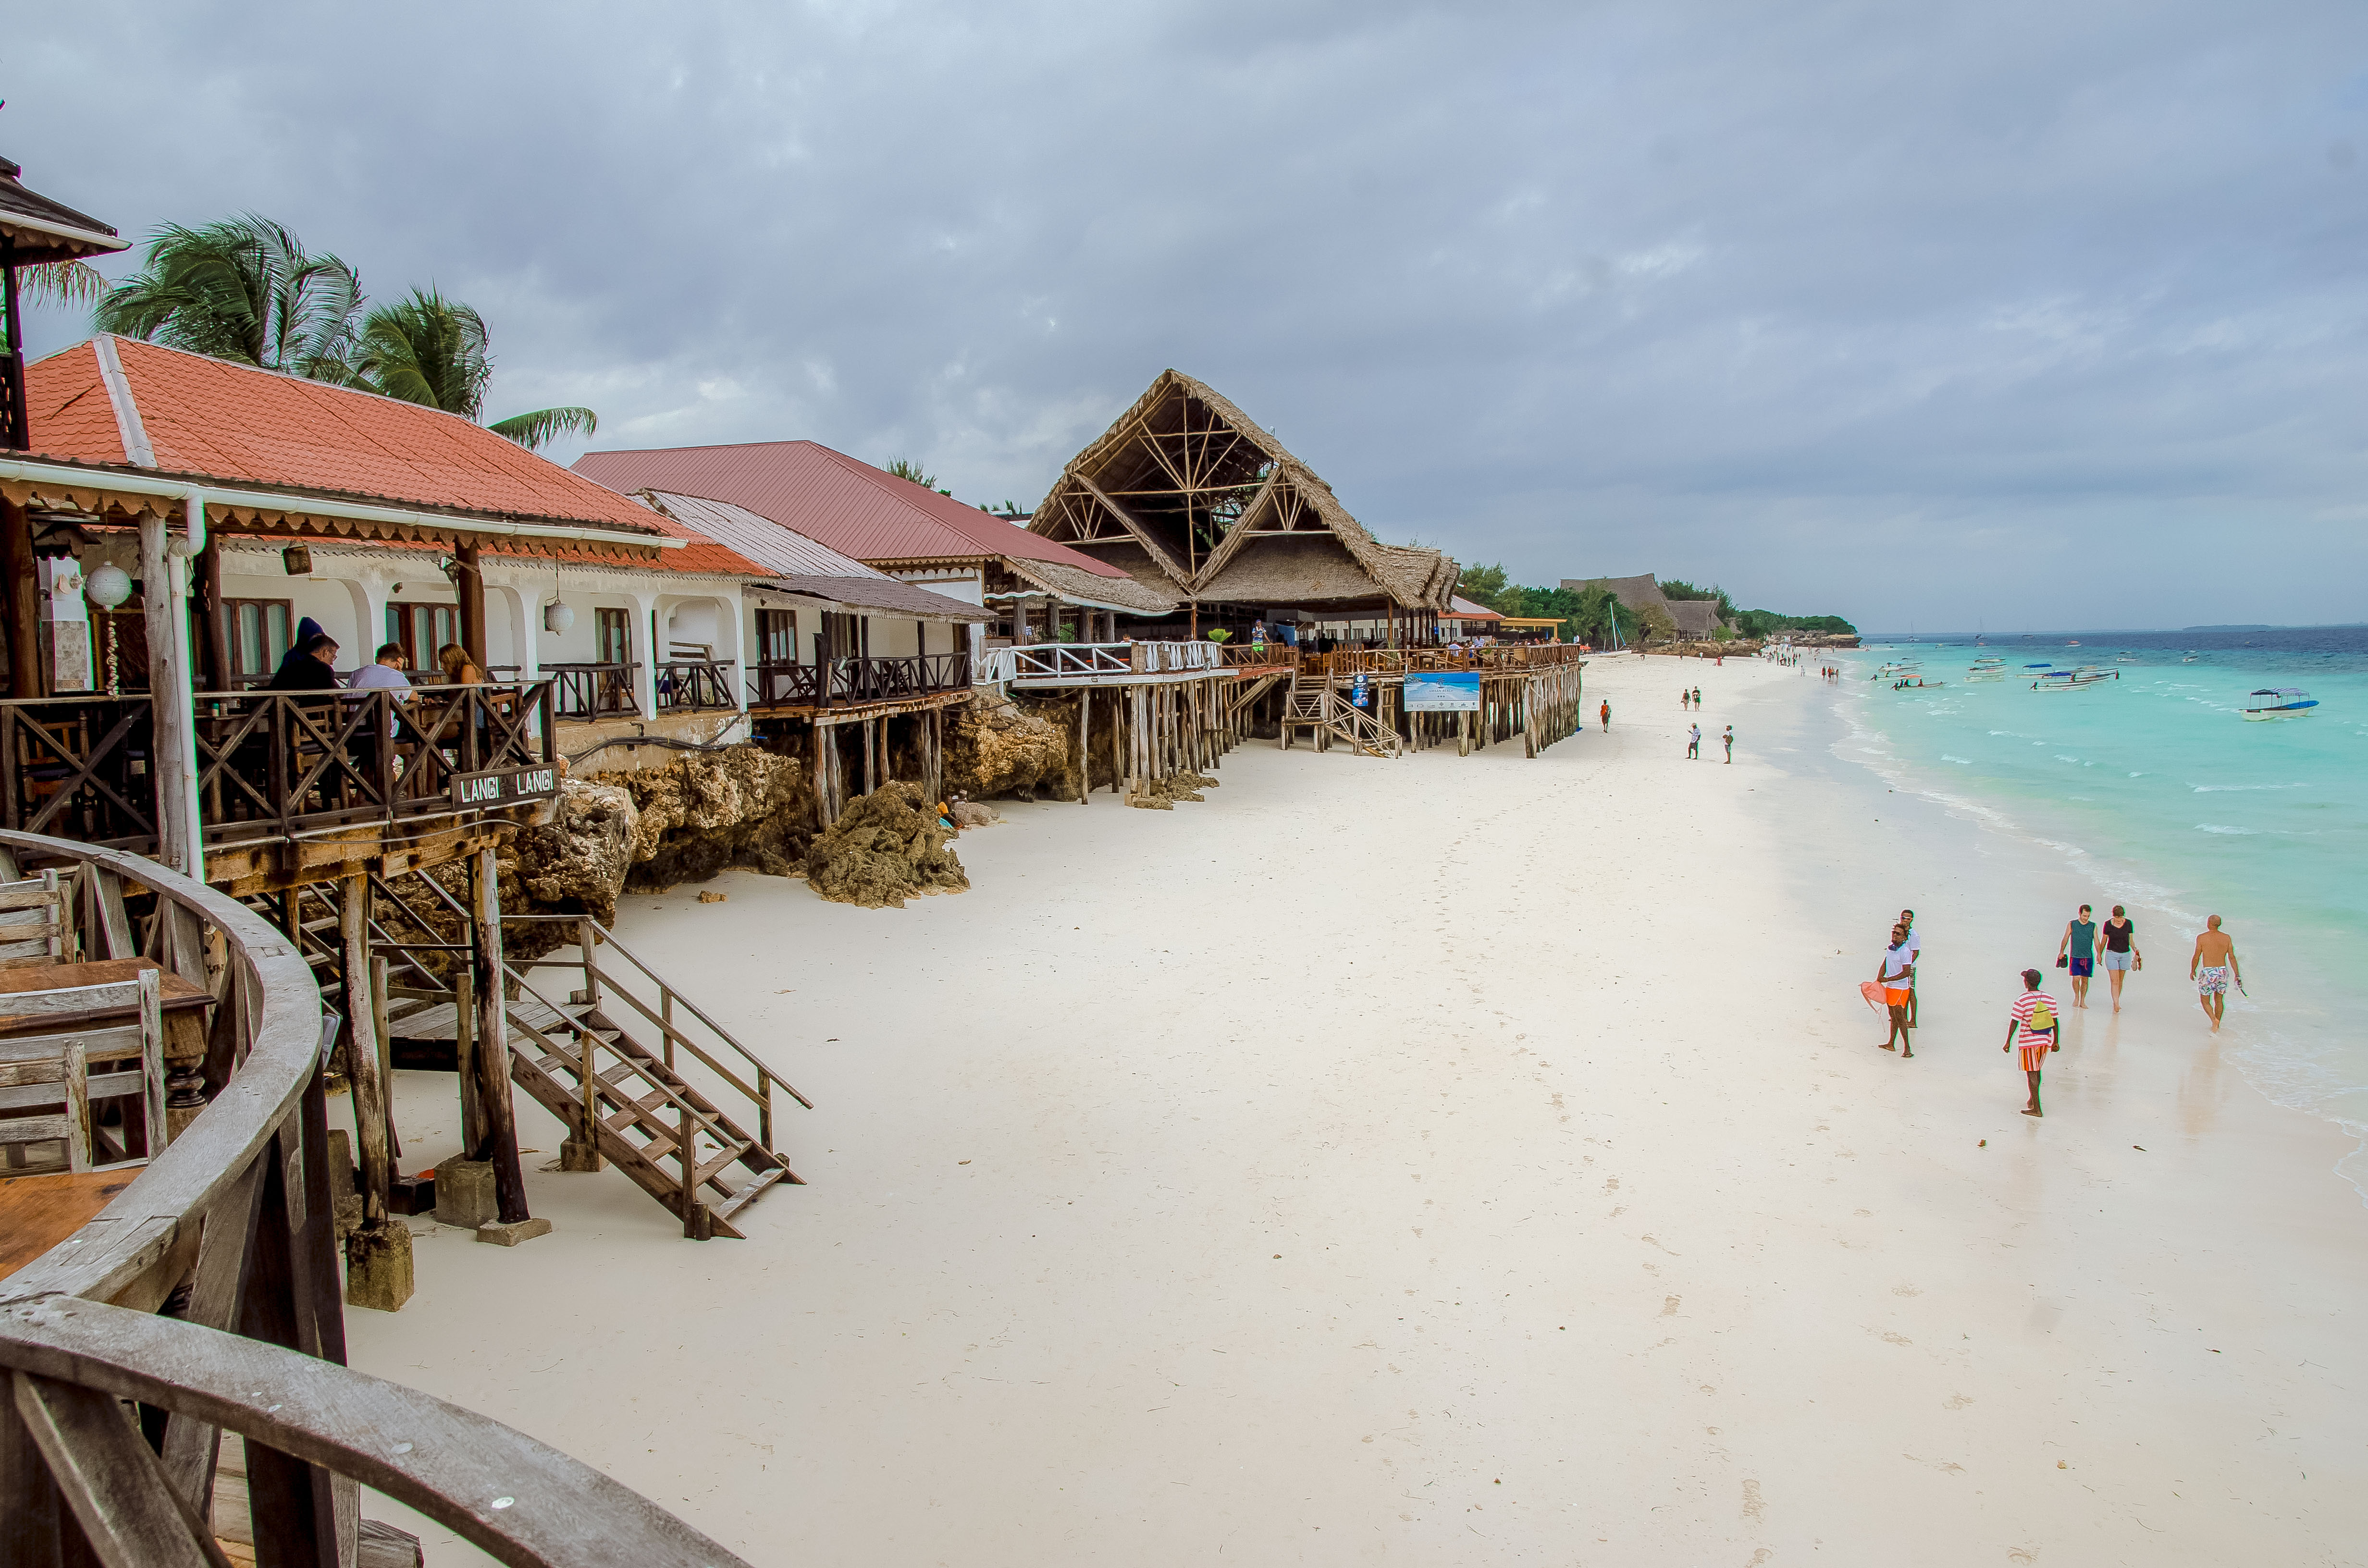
point(64, 283)
point(537, 430)
point(427, 350)
point(241, 288)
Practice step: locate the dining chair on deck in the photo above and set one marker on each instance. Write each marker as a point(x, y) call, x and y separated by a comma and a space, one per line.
point(50, 1094)
point(34, 928)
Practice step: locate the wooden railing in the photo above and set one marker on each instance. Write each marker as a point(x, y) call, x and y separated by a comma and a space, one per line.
point(1509, 658)
point(585, 692)
point(271, 764)
point(1091, 660)
point(837, 683)
point(1266, 654)
point(686, 685)
point(207, 1294)
point(671, 1016)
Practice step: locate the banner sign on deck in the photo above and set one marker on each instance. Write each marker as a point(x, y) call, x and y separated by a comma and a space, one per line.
point(1361, 695)
point(1443, 691)
point(504, 787)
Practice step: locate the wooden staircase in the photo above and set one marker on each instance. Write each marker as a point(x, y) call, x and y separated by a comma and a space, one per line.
point(626, 1103)
point(642, 1115)
point(1315, 705)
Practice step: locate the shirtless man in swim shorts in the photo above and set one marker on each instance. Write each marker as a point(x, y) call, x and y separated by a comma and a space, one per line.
point(2213, 965)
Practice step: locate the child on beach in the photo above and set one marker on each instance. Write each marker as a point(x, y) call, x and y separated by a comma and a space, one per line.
point(2033, 1027)
point(1729, 739)
point(1606, 716)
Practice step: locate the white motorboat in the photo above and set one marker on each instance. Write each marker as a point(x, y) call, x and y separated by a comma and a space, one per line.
point(2279, 702)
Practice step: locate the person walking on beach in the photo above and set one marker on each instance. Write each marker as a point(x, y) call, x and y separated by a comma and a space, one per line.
point(1697, 699)
point(1685, 698)
point(2214, 962)
point(1729, 739)
point(1694, 744)
point(2035, 1027)
point(2078, 951)
point(1915, 956)
point(2122, 954)
point(1606, 711)
point(1896, 972)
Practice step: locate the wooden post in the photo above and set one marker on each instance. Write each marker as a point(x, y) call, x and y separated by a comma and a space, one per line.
point(464, 1042)
point(870, 783)
point(213, 637)
point(360, 1033)
point(167, 614)
point(493, 1041)
point(582, 1152)
point(821, 736)
point(1085, 743)
point(24, 600)
point(472, 612)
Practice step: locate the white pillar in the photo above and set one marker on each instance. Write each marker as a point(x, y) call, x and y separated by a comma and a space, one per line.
point(65, 626)
point(518, 605)
point(645, 638)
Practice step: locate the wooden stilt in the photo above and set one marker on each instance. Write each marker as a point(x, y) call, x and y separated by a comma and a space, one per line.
point(493, 1041)
point(361, 1030)
point(870, 779)
point(1085, 743)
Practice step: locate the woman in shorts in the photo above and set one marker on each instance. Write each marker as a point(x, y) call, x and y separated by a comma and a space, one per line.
point(2121, 953)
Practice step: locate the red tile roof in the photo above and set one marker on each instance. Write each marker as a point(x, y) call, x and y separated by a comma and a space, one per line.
point(851, 506)
point(213, 421)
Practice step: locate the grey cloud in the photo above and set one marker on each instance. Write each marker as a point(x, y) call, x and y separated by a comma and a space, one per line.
point(1922, 314)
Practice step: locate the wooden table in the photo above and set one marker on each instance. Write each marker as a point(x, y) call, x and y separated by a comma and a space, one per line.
point(185, 1003)
point(37, 1212)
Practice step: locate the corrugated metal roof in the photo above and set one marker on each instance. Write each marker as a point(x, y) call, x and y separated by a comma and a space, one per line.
point(850, 506)
point(885, 594)
point(758, 538)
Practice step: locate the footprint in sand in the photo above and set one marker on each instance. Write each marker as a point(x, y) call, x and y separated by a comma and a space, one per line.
point(1751, 1503)
point(1668, 1306)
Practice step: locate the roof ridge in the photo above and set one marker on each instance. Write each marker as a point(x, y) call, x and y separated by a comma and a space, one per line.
point(137, 450)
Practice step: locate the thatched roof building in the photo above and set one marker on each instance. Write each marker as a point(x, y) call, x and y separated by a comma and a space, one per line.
point(1193, 497)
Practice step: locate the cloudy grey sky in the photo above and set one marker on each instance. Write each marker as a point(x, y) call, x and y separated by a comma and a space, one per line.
point(2023, 313)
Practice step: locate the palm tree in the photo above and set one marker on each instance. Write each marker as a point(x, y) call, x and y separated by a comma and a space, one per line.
point(244, 289)
point(431, 350)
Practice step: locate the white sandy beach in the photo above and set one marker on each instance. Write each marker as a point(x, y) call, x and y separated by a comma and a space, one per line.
point(1448, 1161)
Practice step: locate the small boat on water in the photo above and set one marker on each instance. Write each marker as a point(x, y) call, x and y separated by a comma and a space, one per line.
point(1988, 668)
point(2073, 680)
point(2279, 702)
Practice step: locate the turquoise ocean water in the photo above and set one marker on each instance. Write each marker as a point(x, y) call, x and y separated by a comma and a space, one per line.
point(2174, 801)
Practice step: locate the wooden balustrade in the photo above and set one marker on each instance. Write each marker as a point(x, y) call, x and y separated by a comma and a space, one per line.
point(206, 1294)
point(846, 682)
point(585, 692)
point(271, 764)
point(687, 685)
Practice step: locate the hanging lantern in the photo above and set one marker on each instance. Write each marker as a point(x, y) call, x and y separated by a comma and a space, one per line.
point(108, 586)
point(558, 616)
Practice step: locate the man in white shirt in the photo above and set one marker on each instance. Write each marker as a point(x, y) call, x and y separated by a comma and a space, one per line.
point(1915, 956)
point(1896, 972)
point(382, 673)
point(385, 672)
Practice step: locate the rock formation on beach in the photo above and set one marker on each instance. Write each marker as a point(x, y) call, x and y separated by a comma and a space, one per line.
point(886, 847)
point(1011, 747)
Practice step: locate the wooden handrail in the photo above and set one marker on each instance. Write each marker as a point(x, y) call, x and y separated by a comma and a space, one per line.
point(237, 1209)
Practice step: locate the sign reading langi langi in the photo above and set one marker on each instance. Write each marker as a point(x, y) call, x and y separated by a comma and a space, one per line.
point(504, 786)
point(1443, 691)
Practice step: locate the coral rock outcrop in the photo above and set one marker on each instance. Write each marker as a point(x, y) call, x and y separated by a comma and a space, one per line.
point(996, 746)
point(883, 849)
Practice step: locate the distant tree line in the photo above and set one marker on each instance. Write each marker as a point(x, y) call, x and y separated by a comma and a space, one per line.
point(1586, 612)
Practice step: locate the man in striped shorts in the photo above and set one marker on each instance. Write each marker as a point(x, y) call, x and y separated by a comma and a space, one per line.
point(2035, 1027)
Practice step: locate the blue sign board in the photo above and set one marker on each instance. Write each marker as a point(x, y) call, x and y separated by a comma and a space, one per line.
point(1443, 691)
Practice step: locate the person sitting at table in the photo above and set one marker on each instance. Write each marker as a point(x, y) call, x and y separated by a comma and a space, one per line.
point(459, 668)
point(384, 673)
point(311, 664)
